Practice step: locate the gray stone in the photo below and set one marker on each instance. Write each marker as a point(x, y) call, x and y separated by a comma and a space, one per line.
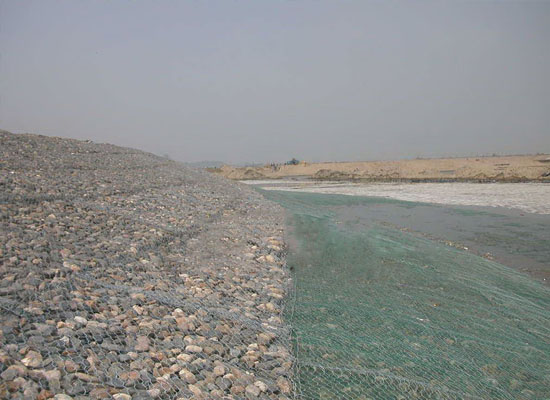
point(32, 359)
point(253, 391)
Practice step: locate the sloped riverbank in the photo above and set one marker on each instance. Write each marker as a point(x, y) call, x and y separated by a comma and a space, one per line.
point(128, 275)
point(382, 312)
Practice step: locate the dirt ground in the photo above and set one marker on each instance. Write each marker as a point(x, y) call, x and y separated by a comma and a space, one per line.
point(523, 168)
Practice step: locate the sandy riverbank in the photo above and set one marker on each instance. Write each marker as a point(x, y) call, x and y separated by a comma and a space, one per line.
point(479, 169)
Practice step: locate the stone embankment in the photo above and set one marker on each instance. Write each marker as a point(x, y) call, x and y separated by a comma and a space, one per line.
point(129, 276)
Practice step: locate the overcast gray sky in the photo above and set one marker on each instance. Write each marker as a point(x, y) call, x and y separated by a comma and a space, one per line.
point(241, 81)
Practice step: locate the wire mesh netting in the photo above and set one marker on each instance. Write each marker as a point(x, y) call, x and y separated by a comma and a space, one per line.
point(378, 313)
point(124, 275)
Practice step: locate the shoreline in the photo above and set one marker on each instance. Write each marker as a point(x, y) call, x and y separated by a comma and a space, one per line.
point(524, 168)
point(400, 180)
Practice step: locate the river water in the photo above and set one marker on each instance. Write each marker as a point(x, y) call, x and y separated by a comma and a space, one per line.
point(528, 197)
point(508, 222)
point(423, 299)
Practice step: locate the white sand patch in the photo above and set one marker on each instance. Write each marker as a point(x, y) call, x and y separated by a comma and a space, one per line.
point(528, 197)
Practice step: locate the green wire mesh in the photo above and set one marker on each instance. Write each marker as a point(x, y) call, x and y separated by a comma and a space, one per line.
point(378, 313)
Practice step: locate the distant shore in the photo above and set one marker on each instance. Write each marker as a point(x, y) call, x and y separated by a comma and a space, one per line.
point(521, 168)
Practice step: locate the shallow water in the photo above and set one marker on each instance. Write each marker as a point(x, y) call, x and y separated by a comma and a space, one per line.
point(389, 304)
point(520, 241)
point(528, 197)
point(497, 227)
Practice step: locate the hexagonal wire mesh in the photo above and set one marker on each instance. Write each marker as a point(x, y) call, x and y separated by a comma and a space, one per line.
point(379, 313)
point(129, 276)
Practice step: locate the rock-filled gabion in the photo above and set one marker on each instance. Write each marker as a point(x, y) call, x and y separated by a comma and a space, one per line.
point(129, 276)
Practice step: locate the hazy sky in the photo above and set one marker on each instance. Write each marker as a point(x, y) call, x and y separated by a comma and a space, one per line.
point(269, 80)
